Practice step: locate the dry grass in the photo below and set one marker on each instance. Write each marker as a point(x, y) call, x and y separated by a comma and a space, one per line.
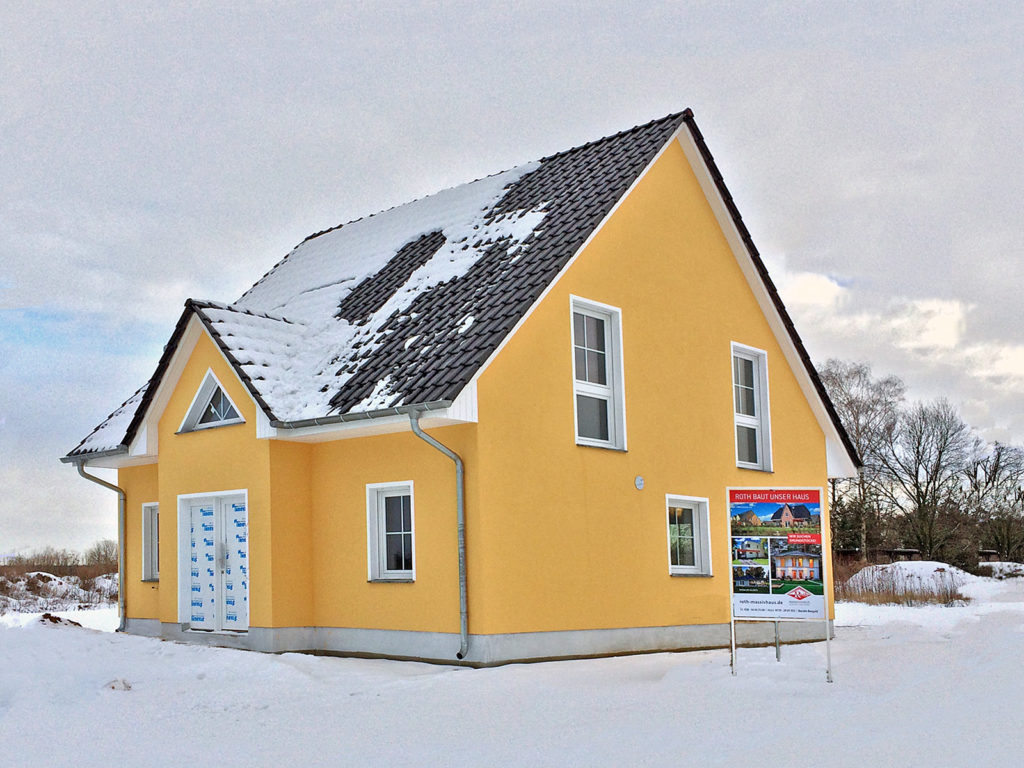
point(892, 587)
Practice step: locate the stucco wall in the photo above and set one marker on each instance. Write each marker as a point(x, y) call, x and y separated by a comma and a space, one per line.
point(140, 487)
point(341, 470)
point(567, 541)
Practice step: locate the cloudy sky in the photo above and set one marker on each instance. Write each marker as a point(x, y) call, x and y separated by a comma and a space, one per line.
point(150, 155)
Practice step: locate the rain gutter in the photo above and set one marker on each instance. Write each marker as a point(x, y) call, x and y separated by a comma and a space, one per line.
point(339, 418)
point(80, 465)
point(81, 458)
point(460, 509)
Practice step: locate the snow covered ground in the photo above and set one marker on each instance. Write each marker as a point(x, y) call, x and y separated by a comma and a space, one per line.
point(928, 686)
point(924, 575)
point(37, 591)
point(1004, 570)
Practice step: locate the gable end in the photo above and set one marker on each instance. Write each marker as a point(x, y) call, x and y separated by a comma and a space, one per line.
point(772, 292)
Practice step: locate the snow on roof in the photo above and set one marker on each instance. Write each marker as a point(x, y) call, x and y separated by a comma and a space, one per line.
point(310, 282)
point(111, 434)
point(404, 306)
point(299, 368)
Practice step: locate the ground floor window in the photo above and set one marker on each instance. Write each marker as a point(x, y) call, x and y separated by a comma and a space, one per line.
point(689, 544)
point(390, 534)
point(150, 542)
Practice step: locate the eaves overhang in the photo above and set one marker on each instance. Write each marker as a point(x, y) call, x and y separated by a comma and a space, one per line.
point(341, 418)
point(85, 458)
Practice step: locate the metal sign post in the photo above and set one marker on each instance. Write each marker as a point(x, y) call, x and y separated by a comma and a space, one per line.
point(732, 645)
point(777, 567)
point(828, 639)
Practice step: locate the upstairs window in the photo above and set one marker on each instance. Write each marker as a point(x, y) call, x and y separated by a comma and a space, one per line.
point(597, 375)
point(211, 407)
point(750, 407)
point(218, 411)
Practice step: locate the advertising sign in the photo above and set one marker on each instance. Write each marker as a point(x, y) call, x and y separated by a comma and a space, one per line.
point(778, 568)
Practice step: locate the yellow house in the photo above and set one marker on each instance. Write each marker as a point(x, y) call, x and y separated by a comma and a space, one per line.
point(493, 424)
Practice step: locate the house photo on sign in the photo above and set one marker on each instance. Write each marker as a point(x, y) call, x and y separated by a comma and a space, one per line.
point(778, 569)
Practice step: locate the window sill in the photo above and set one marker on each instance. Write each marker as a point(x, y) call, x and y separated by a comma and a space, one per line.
point(615, 448)
point(206, 427)
point(390, 580)
point(151, 581)
point(766, 470)
point(691, 575)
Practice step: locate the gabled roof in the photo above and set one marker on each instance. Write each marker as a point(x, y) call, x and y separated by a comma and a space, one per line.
point(403, 307)
point(799, 512)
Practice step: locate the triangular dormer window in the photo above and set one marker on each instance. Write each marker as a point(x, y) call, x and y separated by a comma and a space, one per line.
point(211, 407)
point(219, 410)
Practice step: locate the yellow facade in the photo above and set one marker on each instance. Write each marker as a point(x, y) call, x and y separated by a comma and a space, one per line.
point(558, 536)
point(600, 553)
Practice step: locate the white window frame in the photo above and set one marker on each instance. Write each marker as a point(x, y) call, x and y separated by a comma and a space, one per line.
point(151, 541)
point(701, 535)
point(613, 392)
point(202, 399)
point(761, 422)
point(376, 531)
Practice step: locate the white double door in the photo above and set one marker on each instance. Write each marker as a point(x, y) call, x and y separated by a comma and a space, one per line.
point(218, 567)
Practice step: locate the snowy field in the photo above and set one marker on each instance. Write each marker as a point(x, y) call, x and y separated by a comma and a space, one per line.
point(928, 686)
point(38, 591)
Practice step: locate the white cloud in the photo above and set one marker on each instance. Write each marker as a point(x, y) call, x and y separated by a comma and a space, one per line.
point(811, 291)
point(922, 340)
point(1000, 365)
point(928, 325)
point(882, 159)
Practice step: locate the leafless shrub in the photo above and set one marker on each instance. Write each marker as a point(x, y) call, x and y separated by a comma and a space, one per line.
point(891, 586)
point(34, 585)
point(102, 554)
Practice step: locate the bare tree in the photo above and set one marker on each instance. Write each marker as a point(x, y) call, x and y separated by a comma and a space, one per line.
point(928, 449)
point(1003, 529)
point(869, 410)
point(103, 552)
point(993, 494)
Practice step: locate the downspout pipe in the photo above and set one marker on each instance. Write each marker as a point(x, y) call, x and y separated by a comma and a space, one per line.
point(120, 539)
point(460, 507)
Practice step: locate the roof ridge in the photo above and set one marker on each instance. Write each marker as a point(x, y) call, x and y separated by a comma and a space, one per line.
point(635, 129)
point(349, 223)
point(680, 116)
point(620, 134)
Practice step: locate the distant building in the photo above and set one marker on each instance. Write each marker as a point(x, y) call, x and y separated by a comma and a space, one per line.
point(749, 549)
point(797, 566)
point(747, 518)
point(793, 516)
